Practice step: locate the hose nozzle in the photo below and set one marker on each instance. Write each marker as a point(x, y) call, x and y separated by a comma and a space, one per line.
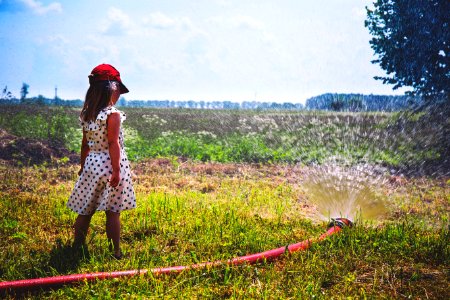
point(340, 222)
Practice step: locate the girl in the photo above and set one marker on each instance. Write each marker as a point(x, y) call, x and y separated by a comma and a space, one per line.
point(105, 176)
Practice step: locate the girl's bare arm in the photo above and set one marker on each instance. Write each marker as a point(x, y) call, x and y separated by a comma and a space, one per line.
point(113, 124)
point(84, 151)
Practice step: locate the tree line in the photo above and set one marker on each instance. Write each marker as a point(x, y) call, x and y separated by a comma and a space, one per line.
point(359, 102)
point(329, 101)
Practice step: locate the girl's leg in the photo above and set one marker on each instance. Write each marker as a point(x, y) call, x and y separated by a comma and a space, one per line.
point(81, 229)
point(113, 230)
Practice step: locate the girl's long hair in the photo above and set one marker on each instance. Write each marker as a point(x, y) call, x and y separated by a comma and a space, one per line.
point(98, 96)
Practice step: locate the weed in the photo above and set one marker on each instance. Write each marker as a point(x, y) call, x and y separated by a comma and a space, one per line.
point(244, 136)
point(250, 209)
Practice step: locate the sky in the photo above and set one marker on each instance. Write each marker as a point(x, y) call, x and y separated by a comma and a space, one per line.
point(211, 50)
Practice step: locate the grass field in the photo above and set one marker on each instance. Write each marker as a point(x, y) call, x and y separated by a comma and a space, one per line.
point(244, 136)
point(193, 209)
point(201, 212)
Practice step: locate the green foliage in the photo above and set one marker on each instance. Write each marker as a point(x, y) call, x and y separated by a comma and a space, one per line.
point(257, 137)
point(6, 94)
point(53, 124)
point(24, 91)
point(411, 38)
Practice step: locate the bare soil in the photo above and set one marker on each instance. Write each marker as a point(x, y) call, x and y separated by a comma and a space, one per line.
point(26, 151)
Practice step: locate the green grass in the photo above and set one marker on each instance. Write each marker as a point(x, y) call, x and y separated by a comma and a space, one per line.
point(207, 212)
point(243, 136)
point(52, 124)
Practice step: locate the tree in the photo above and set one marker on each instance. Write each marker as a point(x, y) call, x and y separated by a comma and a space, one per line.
point(40, 100)
point(355, 104)
point(412, 41)
point(6, 95)
point(122, 102)
point(338, 103)
point(24, 91)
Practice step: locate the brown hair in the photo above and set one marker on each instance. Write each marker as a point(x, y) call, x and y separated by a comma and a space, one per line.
point(98, 96)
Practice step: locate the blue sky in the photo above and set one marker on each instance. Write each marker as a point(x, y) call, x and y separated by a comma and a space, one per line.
point(264, 50)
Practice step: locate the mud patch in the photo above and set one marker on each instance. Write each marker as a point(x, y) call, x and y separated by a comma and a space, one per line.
point(26, 151)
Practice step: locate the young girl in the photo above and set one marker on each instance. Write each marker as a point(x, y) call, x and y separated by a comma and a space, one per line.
point(105, 176)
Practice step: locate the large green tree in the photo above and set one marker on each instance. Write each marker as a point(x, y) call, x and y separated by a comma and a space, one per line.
point(411, 39)
point(24, 91)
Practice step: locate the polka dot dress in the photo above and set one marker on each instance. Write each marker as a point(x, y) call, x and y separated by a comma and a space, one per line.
point(92, 191)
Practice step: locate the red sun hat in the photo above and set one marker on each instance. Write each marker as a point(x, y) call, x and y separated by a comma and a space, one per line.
point(105, 72)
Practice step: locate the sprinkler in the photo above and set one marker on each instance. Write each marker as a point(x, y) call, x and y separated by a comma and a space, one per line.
point(334, 226)
point(340, 222)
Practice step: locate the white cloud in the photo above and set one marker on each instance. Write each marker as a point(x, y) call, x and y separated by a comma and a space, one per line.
point(40, 9)
point(237, 22)
point(239, 46)
point(120, 23)
point(224, 3)
point(161, 21)
point(117, 22)
point(246, 22)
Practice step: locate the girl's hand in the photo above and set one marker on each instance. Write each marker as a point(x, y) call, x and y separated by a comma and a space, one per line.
point(114, 178)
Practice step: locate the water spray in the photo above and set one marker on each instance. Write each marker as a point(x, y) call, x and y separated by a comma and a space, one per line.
point(334, 226)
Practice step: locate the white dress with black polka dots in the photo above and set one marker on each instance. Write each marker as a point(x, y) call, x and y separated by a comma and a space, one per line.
point(92, 191)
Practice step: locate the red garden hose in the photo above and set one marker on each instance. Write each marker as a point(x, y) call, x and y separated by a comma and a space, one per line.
point(335, 226)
